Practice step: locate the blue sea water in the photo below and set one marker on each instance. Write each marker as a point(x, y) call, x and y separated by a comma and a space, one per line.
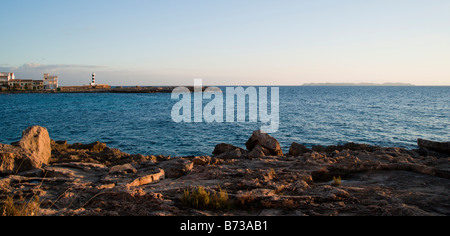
point(142, 123)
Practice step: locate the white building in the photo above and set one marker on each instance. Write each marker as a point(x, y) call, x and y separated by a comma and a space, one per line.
point(6, 76)
point(50, 82)
point(8, 81)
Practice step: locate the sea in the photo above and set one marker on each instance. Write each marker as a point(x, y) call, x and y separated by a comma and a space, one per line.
point(142, 123)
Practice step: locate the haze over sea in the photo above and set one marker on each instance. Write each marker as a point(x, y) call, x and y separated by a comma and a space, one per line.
point(142, 123)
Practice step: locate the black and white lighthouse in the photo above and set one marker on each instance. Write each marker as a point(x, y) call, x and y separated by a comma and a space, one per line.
point(93, 79)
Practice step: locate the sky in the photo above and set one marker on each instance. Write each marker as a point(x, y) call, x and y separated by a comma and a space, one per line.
point(227, 42)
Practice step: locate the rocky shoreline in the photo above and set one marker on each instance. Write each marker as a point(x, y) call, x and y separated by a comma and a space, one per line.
point(260, 180)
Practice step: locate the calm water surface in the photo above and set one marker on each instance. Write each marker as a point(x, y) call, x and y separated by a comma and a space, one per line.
point(142, 123)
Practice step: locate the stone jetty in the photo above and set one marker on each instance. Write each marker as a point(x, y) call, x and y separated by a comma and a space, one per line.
point(101, 89)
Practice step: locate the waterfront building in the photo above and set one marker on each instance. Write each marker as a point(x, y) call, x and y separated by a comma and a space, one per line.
point(50, 82)
point(38, 84)
point(22, 84)
point(8, 81)
point(6, 76)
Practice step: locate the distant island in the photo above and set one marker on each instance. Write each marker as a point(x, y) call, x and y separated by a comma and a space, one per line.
point(357, 84)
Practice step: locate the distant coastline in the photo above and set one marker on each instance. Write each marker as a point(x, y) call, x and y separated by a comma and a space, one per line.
point(358, 84)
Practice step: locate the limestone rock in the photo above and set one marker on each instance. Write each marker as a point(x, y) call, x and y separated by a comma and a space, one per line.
point(223, 148)
point(442, 147)
point(93, 147)
point(147, 179)
point(258, 152)
point(375, 181)
point(29, 153)
point(129, 175)
point(59, 145)
point(8, 160)
point(298, 149)
point(264, 140)
point(202, 160)
point(37, 141)
point(357, 147)
point(234, 154)
point(176, 168)
point(126, 169)
point(318, 148)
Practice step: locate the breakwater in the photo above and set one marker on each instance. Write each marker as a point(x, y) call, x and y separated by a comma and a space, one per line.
point(101, 89)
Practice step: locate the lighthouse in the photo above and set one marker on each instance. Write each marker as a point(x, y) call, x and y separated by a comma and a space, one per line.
point(93, 79)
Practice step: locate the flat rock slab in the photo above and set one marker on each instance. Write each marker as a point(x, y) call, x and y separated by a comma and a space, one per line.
point(147, 178)
point(97, 174)
point(133, 175)
point(176, 168)
point(84, 172)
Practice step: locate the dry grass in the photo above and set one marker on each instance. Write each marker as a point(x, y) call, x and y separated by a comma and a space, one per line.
point(337, 181)
point(13, 207)
point(289, 204)
point(270, 175)
point(202, 199)
point(280, 188)
point(245, 200)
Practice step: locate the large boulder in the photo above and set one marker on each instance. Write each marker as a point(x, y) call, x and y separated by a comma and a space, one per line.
point(442, 147)
point(31, 152)
point(176, 168)
point(298, 149)
point(37, 141)
point(233, 154)
point(258, 152)
point(266, 141)
point(224, 147)
point(228, 151)
point(11, 158)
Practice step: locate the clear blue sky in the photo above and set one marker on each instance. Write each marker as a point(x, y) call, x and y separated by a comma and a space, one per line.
point(227, 42)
